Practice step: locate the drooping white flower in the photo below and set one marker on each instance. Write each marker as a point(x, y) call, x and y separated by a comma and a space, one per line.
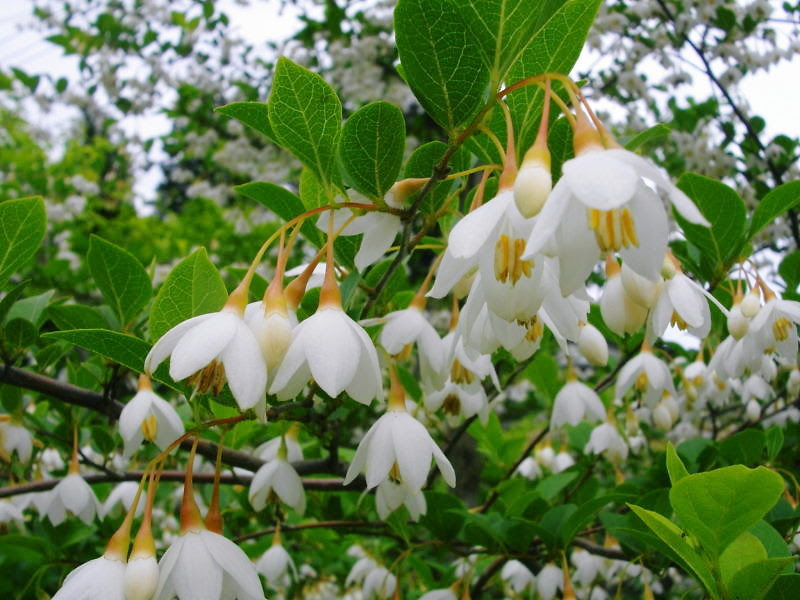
point(148, 416)
point(11, 512)
point(620, 312)
point(574, 403)
point(605, 439)
point(517, 576)
point(390, 495)
point(15, 438)
point(443, 594)
point(275, 565)
point(650, 375)
point(279, 478)
point(592, 345)
point(775, 327)
point(269, 450)
point(682, 302)
point(362, 567)
point(529, 468)
point(398, 447)
point(548, 581)
point(213, 348)
point(98, 579)
point(405, 327)
point(73, 495)
point(562, 461)
point(272, 328)
point(141, 577)
point(379, 583)
point(122, 494)
point(202, 565)
point(336, 351)
point(379, 230)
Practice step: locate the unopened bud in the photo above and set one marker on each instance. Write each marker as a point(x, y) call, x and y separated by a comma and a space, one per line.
point(751, 304)
point(532, 187)
point(738, 324)
point(753, 410)
point(662, 417)
point(141, 578)
point(593, 345)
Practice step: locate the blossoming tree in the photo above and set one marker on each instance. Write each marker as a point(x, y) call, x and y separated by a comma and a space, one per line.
point(437, 370)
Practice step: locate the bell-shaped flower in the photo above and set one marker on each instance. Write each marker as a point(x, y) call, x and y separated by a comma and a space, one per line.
point(529, 468)
point(574, 403)
point(277, 479)
point(619, 310)
point(408, 326)
point(681, 302)
point(606, 439)
point(548, 581)
point(15, 438)
point(562, 461)
point(213, 348)
point(459, 401)
point(276, 565)
point(517, 577)
point(442, 594)
point(592, 345)
point(379, 230)
point(775, 327)
point(650, 375)
point(332, 348)
point(359, 571)
point(98, 579)
point(379, 584)
point(398, 447)
point(71, 495)
point(294, 451)
point(148, 416)
point(123, 494)
point(389, 496)
point(11, 512)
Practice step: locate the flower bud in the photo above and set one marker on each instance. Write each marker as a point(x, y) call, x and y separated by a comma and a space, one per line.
point(753, 410)
point(593, 345)
point(662, 417)
point(738, 324)
point(532, 187)
point(793, 383)
point(751, 304)
point(141, 577)
point(640, 289)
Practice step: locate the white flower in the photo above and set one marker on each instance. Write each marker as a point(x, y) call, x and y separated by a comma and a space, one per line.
point(379, 583)
point(562, 461)
point(404, 327)
point(363, 567)
point(444, 594)
point(202, 565)
point(149, 416)
point(213, 348)
point(529, 468)
point(548, 581)
point(72, 494)
point(98, 579)
point(336, 351)
point(532, 186)
point(272, 329)
point(123, 494)
point(682, 302)
point(15, 437)
point(650, 375)
point(277, 477)
point(269, 450)
point(389, 495)
point(606, 439)
point(620, 311)
point(11, 512)
point(397, 446)
point(379, 229)
point(775, 327)
point(593, 345)
point(518, 577)
point(574, 402)
point(274, 565)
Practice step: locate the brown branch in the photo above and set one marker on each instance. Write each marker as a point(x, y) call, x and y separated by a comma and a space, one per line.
point(371, 525)
point(493, 568)
point(592, 548)
point(327, 484)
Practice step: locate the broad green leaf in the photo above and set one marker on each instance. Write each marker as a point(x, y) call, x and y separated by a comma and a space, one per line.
point(18, 334)
point(773, 542)
point(306, 116)
point(126, 350)
point(543, 372)
point(552, 485)
point(786, 587)
point(312, 195)
point(10, 298)
point(744, 447)
point(779, 200)
point(675, 467)
point(724, 209)
point(283, 203)
point(31, 309)
point(501, 28)
point(441, 60)
point(583, 515)
point(371, 147)
point(789, 269)
point(121, 278)
point(553, 48)
point(421, 164)
point(755, 580)
point(656, 132)
point(718, 506)
point(253, 114)
point(773, 440)
point(76, 316)
point(22, 227)
point(744, 550)
point(671, 535)
point(194, 287)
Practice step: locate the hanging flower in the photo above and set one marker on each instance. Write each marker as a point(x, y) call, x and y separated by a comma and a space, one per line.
point(275, 564)
point(390, 495)
point(98, 579)
point(574, 403)
point(71, 495)
point(277, 479)
point(15, 438)
point(148, 416)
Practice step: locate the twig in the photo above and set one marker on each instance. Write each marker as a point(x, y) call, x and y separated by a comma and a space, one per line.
point(600, 550)
point(371, 525)
point(493, 568)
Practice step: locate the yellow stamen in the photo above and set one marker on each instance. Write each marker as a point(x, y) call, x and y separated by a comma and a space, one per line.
point(780, 328)
point(149, 428)
point(508, 263)
point(678, 321)
point(460, 374)
point(452, 405)
point(614, 229)
point(209, 378)
point(394, 474)
point(641, 382)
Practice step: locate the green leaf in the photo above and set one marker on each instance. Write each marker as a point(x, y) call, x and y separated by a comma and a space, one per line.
point(554, 48)
point(718, 506)
point(121, 348)
point(283, 203)
point(194, 287)
point(253, 114)
point(121, 278)
point(755, 580)
point(551, 486)
point(671, 535)
point(773, 542)
point(675, 467)
point(724, 209)
point(744, 447)
point(10, 298)
point(744, 550)
point(312, 195)
point(421, 164)
point(31, 309)
point(789, 269)
point(441, 61)
point(18, 334)
point(786, 587)
point(773, 440)
point(371, 147)
point(583, 515)
point(656, 132)
point(76, 316)
point(502, 28)
point(306, 116)
point(22, 227)
point(779, 200)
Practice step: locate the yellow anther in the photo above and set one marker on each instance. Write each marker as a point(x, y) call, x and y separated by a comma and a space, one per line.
point(613, 229)
point(780, 328)
point(394, 474)
point(460, 374)
point(149, 428)
point(678, 321)
point(508, 263)
point(209, 378)
point(452, 404)
point(535, 329)
point(501, 259)
point(641, 382)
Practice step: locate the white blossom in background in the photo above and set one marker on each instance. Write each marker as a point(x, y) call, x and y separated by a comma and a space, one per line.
point(148, 416)
point(15, 438)
point(98, 579)
point(518, 577)
point(71, 495)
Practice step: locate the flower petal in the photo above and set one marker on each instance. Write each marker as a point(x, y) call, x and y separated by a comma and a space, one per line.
point(600, 180)
point(244, 367)
point(202, 344)
point(332, 349)
point(167, 342)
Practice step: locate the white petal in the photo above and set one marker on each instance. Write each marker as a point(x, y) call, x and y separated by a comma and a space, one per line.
point(288, 486)
point(445, 468)
point(293, 363)
point(360, 457)
point(600, 180)
point(471, 233)
point(245, 368)
point(379, 233)
point(332, 350)
point(202, 344)
point(381, 452)
point(261, 484)
point(197, 575)
point(547, 222)
point(132, 416)
point(170, 426)
point(687, 208)
point(167, 342)
point(367, 382)
point(412, 449)
point(235, 563)
point(449, 273)
point(650, 223)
